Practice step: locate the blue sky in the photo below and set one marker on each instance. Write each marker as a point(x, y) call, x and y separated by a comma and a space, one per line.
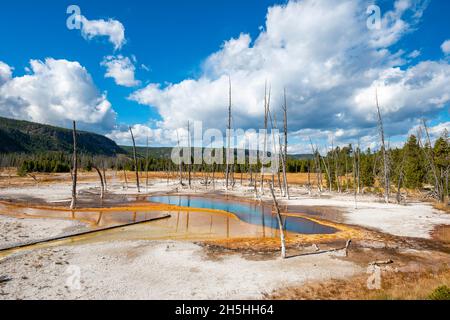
point(171, 37)
point(195, 45)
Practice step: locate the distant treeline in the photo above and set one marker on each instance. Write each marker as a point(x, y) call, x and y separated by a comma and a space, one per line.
point(409, 166)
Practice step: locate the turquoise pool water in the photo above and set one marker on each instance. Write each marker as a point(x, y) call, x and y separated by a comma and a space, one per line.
point(250, 213)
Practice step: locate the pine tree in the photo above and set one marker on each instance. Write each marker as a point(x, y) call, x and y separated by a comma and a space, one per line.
point(414, 168)
point(367, 169)
point(442, 160)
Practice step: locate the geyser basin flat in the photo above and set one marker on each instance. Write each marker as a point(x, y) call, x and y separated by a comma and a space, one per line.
point(251, 213)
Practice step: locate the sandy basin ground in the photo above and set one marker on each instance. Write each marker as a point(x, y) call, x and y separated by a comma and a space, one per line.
point(157, 270)
point(187, 270)
point(15, 231)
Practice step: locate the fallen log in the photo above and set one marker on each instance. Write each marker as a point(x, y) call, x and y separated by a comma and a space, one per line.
point(380, 263)
point(4, 279)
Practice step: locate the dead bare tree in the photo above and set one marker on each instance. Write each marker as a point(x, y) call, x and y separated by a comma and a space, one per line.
point(32, 176)
point(73, 203)
point(355, 179)
point(146, 165)
point(280, 223)
point(285, 157)
point(102, 185)
point(309, 178)
point(358, 171)
point(125, 177)
point(336, 168)
point(104, 176)
point(227, 173)
point(214, 175)
point(266, 119)
point(135, 161)
point(316, 165)
point(190, 156)
point(347, 184)
point(327, 171)
point(384, 153)
point(274, 124)
point(181, 162)
point(429, 153)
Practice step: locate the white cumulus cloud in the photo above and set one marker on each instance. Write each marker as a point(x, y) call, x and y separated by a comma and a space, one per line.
point(5, 72)
point(121, 69)
point(57, 92)
point(446, 47)
point(330, 63)
point(113, 29)
point(143, 132)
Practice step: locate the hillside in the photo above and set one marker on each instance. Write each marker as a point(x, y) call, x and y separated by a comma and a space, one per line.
point(153, 152)
point(166, 152)
point(28, 137)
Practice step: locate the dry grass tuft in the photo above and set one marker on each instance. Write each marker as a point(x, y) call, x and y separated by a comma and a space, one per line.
point(395, 286)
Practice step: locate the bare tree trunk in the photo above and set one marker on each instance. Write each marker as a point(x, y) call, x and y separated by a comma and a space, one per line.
point(125, 177)
point(102, 185)
point(319, 170)
point(438, 185)
point(73, 204)
point(266, 119)
point(135, 161)
point(336, 167)
point(355, 179)
point(387, 190)
point(255, 187)
point(346, 175)
point(280, 152)
point(286, 183)
point(316, 165)
point(190, 154)
point(280, 224)
point(309, 178)
point(181, 162)
point(104, 176)
point(214, 176)
point(227, 173)
point(327, 170)
point(359, 168)
point(232, 176)
point(146, 166)
point(168, 174)
point(280, 186)
point(400, 179)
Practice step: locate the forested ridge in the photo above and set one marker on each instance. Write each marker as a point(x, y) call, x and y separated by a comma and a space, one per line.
point(34, 138)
